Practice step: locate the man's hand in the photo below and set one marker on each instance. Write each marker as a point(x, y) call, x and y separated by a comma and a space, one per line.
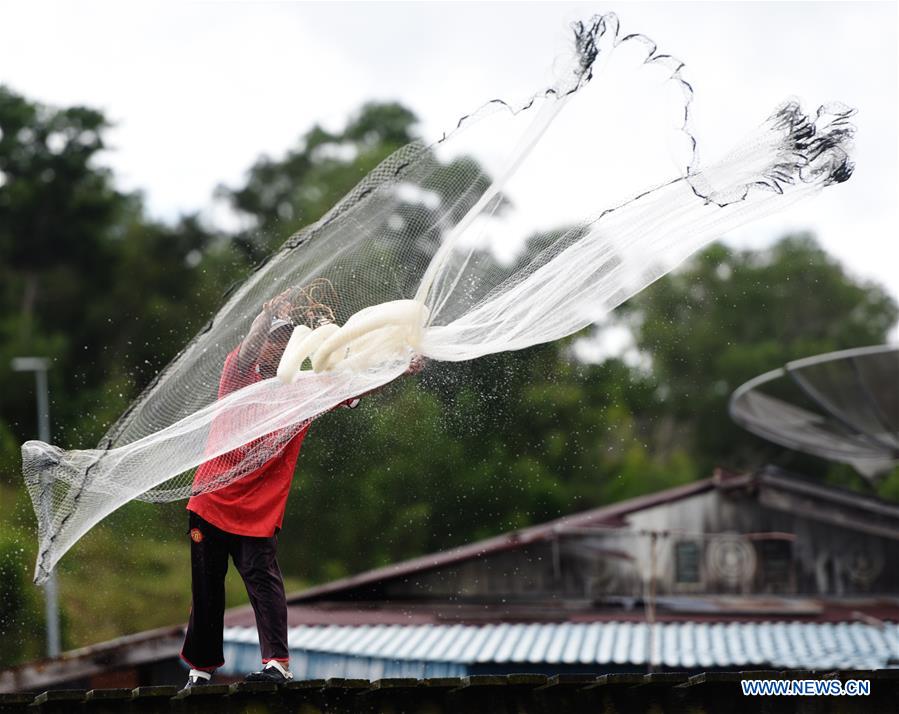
point(416, 365)
point(278, 307)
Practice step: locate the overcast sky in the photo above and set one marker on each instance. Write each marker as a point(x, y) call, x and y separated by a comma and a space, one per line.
point(198, 90)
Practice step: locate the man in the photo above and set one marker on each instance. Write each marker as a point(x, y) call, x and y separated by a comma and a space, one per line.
point(241, 520)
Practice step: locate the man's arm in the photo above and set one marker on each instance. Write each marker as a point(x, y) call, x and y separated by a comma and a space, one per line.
point(252, 343)
point(277, 307)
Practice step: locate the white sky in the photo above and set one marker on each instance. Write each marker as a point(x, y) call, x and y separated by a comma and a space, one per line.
point(199, 90)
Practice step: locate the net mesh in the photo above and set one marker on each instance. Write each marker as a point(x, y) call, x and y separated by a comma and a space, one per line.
point(523, 225)
point(842, 406)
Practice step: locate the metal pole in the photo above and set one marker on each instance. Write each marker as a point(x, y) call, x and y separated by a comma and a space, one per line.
point(43, 405)
point(51, 593)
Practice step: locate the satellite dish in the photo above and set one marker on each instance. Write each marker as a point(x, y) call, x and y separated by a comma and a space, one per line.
point(842, 406)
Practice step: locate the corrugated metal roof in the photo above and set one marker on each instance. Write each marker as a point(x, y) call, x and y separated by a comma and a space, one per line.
point(677, 645)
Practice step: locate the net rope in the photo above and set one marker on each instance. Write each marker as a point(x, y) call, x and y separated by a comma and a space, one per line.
point(524, 224)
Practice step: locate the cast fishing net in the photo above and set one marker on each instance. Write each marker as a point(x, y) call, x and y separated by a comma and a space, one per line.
point(523, 225)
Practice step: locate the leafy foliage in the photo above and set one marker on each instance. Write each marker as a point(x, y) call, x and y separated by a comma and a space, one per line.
point(733, 314)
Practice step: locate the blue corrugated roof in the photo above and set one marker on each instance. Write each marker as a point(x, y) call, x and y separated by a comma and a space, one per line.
point(447, 650)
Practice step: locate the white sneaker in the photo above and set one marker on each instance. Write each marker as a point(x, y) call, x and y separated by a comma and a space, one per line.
point(197, 678)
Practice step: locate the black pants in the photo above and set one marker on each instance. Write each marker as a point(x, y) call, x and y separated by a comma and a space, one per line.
point(257, 564)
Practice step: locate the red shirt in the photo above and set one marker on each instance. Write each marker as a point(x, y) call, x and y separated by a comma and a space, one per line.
point(252, 505)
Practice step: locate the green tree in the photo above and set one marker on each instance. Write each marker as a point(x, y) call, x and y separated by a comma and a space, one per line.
point(58, 209)
point(733, 314)
point(282, 195)
point(20, 614)
point(88, 281)
point(56, 205)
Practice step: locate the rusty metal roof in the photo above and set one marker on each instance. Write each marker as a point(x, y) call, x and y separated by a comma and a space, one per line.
point(603, 516)
point(855, 509)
